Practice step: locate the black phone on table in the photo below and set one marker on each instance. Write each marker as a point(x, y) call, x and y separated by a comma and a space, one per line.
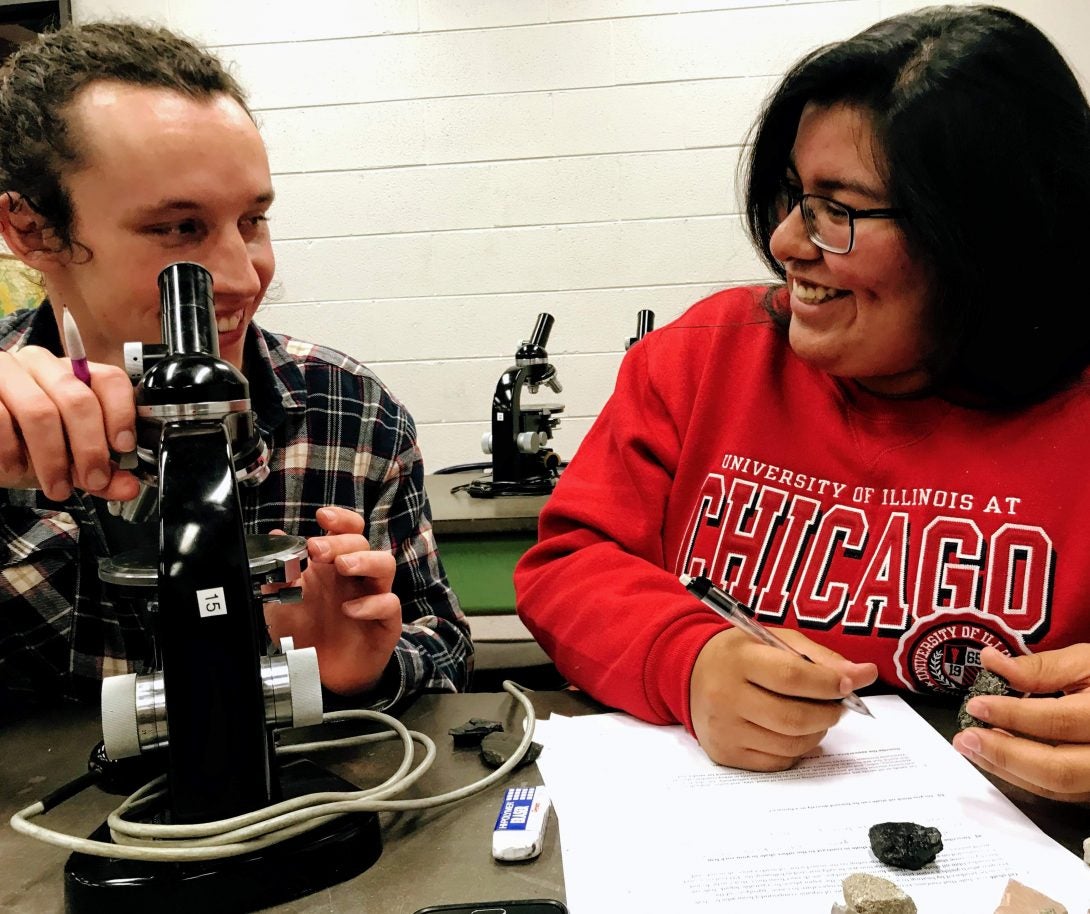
point(526, 906)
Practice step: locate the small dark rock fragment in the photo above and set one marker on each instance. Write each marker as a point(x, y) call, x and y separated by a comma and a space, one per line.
point(473, 731)
point(497, 748)
point(987, 683)
point(905, 844)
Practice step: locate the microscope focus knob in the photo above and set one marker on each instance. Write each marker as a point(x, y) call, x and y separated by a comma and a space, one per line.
point(292, 686)
point(134, 712)
point(120, 730)
point(531, 442)
point(303, 691)
point(306, 687)
point(486, 442)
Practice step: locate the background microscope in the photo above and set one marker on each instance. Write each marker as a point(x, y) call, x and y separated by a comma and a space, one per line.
point(522, 461)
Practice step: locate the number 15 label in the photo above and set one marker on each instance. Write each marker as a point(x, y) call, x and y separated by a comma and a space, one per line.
point(212, 602)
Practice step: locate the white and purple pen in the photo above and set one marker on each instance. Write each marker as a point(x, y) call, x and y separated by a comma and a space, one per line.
point(77, 355)
point(73, 345)
point(736, 612)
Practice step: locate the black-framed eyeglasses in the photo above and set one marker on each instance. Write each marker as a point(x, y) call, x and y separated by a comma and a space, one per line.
point(829, 223)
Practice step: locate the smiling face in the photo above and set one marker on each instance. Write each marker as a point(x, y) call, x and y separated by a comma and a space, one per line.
point(164, 178)
point(861, 315)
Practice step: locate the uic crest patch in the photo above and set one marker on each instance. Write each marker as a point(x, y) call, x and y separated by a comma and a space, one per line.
point(941, 652)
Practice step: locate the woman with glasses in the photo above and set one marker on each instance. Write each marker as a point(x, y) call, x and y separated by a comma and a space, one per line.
point(883, 454)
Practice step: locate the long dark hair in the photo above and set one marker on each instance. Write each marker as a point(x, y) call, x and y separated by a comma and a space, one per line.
point(985, 137)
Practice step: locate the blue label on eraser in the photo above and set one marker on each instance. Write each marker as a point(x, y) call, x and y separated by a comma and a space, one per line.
point(515, 809)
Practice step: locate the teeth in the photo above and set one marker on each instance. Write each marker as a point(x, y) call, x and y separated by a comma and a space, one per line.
point(229, 323)
point(814, 294)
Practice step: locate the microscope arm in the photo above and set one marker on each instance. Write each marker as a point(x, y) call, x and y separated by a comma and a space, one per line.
point(219, 746)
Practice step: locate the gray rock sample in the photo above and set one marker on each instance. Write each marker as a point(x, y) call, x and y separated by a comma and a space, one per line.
point(987, 683)
point(497, 748)
point(473, 731)
point(905, 844)
point(867, 894)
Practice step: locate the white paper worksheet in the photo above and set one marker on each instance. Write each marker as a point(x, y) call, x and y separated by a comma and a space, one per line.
point(649, 824)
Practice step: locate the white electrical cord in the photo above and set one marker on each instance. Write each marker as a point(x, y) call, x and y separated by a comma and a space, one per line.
point(262, 828)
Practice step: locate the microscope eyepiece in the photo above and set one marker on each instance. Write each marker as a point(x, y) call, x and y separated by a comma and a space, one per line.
point(542, 329)
point(186, 381)
point(187, 310)
point(532, 351)
point(645, 323)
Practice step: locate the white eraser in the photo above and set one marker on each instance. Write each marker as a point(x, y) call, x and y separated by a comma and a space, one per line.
point(520, 826)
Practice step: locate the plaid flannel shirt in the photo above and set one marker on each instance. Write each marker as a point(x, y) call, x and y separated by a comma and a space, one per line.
point(336, 437)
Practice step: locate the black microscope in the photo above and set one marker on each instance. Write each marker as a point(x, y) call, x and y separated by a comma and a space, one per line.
point(522, 461)
point(210, 708)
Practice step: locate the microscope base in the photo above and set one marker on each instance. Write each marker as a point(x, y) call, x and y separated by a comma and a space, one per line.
point(331, 853)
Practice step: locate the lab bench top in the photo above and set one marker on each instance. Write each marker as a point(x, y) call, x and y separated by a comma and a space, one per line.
point(429, 857)
point(460, 514)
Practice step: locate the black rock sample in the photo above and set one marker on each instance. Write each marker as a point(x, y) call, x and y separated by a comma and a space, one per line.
point(987, 683)
point(497, 748)
point(473, 731)
point(905, 844)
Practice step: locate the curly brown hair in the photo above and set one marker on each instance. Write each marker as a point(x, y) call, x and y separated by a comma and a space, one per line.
point(41, 80)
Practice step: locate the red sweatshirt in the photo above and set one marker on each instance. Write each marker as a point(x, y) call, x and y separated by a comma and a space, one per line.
point(908, 532)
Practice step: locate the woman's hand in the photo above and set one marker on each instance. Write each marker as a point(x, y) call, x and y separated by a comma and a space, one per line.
point(761, 708)
point(1039, 744)
point(348, 613)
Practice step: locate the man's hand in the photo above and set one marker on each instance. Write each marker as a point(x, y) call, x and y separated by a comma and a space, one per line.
point(348, 613)
point(1040, 744)
point(761, 708)
point(56, 432)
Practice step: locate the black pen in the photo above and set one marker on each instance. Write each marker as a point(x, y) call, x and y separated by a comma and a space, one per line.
point(735, 612)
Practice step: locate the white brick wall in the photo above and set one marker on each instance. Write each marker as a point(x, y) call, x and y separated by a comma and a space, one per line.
point(446, 169)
